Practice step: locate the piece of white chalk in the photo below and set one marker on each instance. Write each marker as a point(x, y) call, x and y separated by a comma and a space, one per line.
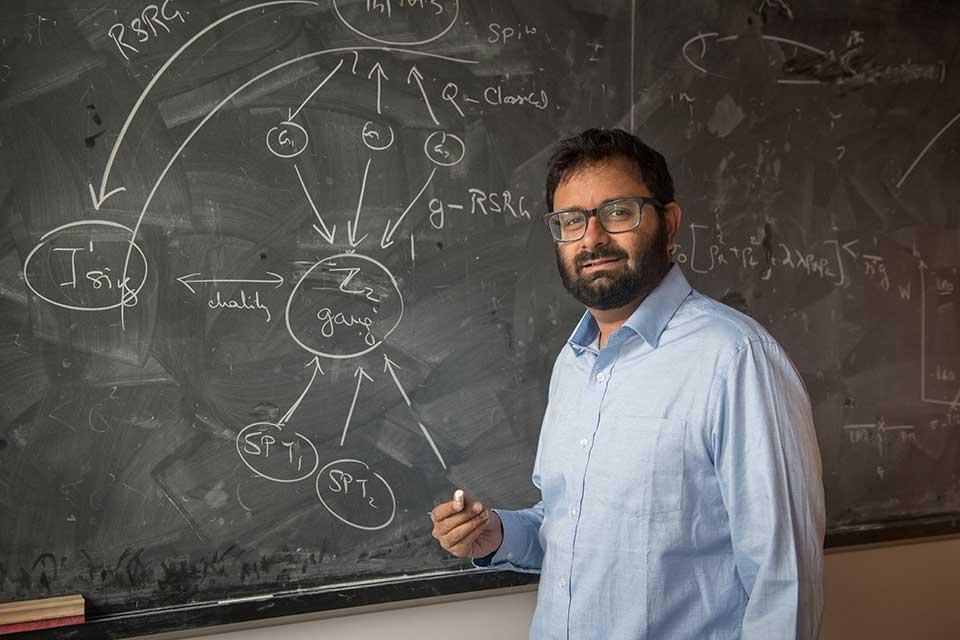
point(458, 498)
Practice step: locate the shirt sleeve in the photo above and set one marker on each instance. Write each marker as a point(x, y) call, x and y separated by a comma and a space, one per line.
point(521, 549)
point(769, 470)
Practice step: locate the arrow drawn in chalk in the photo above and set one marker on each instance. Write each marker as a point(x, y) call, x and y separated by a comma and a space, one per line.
point(390, 365)
point(387, 238)
point(416, 75)
point(433, 445)
point(316, 369)
point(190, 279)
point(352, 230)
point(327, 232)
point(293, 114)
point(359, 374)
point(381, 76)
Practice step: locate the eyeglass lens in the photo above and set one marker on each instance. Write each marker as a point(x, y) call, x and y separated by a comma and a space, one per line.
point(615, 217)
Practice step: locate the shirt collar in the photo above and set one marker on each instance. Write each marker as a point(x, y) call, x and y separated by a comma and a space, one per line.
point(650, 318)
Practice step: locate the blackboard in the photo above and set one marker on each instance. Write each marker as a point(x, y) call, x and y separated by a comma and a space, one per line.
point(273, 280)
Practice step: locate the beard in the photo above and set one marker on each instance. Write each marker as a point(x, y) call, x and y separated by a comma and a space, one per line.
point(612, 289)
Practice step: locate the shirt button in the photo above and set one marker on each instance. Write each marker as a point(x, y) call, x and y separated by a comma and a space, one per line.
point(573, 513)
point(510, 556)
point(584, 443)
point(600, 377)
point(562, 582)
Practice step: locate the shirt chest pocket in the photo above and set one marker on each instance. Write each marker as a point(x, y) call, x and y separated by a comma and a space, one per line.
point(636, 466)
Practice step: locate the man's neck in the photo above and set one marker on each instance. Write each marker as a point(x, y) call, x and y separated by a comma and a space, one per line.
point(609, 320)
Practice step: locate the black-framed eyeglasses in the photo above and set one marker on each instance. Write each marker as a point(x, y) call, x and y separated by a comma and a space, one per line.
point(616, 216)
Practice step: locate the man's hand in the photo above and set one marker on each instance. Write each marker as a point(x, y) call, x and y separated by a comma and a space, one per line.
point(466, 529)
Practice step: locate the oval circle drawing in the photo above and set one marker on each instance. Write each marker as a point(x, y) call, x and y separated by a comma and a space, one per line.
point(288, 140)
point(79, 266)
point(400, 43)
point(352, 486)
point(447, 150)
point(276, 453)
point(344, 307)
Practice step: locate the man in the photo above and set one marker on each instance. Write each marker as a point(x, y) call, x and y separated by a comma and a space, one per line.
point(677, 462)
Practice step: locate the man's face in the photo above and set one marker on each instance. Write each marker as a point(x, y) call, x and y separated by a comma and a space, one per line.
point(605, 270)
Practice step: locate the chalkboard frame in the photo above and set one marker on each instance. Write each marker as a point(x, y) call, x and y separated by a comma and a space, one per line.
point(899, 530)
point(195, 616)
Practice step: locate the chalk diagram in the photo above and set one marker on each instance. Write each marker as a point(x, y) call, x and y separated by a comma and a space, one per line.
point(937, 385)
point(343, 307)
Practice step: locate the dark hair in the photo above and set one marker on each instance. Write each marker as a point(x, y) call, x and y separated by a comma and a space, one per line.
point(597, 145)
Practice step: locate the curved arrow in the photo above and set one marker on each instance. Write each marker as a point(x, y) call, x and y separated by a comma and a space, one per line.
point(316, 369)
point(190, 279)
point(933, 140)
point(103, 195)
point(387, 238)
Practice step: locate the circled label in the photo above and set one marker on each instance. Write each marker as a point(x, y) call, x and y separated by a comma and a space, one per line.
point(444, 149)
point(356, 495)
point(435, 18)
point(287, 140)
point(277, 453)
point(344, 306)
point(79, 266)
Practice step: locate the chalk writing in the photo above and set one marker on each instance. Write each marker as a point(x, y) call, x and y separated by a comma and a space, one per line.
point(241, 303)
point(144, 26)
point(356, 495)
point(276, 453)
point(504, 34)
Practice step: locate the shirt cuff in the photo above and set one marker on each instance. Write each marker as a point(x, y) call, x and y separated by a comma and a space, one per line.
point(511, 548)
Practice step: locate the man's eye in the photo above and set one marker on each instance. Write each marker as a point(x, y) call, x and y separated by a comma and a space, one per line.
point(572, 221)
point(619, 212)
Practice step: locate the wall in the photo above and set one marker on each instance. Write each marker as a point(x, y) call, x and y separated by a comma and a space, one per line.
point(895, 592)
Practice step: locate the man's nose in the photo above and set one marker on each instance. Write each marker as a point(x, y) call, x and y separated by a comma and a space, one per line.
point(595, 235)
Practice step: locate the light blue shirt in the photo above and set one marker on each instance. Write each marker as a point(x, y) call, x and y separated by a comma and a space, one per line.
point(680, 481)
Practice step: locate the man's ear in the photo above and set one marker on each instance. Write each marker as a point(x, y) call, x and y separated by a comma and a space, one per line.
point(671, 217)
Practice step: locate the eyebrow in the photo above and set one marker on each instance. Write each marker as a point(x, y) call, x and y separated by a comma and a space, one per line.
point(582, 208)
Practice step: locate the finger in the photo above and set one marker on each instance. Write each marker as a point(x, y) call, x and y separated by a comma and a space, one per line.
point(452, 522)
point(465, 546)
point(457, 534)
point(455, 537)
point(443, 528)
point(445, 510)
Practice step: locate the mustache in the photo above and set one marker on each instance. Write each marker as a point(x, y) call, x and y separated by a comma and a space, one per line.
point(600, 253)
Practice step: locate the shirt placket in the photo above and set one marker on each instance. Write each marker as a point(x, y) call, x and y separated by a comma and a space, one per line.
point(588, 421)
